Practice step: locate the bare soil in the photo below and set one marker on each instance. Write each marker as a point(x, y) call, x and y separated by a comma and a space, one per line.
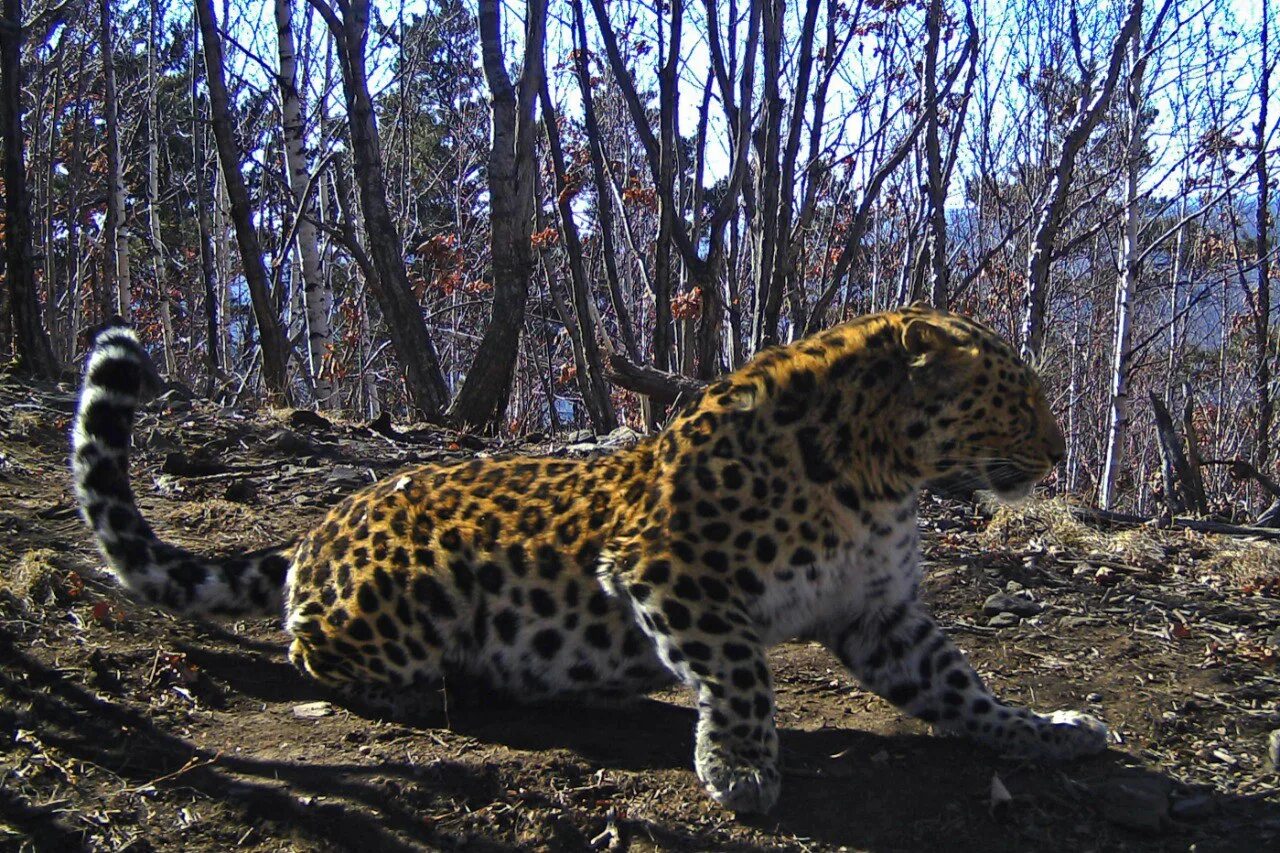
point(123, 728)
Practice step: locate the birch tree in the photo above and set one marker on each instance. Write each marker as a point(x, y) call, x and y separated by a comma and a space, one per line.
point(1094, 100)
point(270, 335)
point(318, 297)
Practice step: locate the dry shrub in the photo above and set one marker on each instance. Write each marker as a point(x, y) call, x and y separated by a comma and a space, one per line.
point(1052, 524)
point(39, 578)
point(1254, 566)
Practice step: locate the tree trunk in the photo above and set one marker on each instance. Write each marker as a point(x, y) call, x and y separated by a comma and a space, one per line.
point(591, 375)
point(153, 194)
point(400, 309)
point(317, 295)
point(512, 168)
point(29, 336)
point(1126, 283)
point(271, 337)
point(208, 262)
point(1044, 237)
point(939, 292)
point(1262, 310)
point(115, 231)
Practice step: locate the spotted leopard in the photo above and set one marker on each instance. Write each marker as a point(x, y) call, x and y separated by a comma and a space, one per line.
point(781, 504)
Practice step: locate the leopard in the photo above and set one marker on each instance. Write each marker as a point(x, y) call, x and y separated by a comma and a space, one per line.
point(779, 504)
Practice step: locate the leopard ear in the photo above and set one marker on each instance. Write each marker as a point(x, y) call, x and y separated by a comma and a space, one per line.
point(926, 341)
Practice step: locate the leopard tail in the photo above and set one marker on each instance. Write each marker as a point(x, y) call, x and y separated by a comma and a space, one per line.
point(118, 376)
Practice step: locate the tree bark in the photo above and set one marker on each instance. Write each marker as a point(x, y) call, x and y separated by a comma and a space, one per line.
point(591, 374)
point(1089, 111)
point(271, 337)
point(1264, 403)
point(153, 194)
point(939, 292)
point(483, 398)
point(400, 309)
point(318, 297)
point(208, 263)
point(1126, 282)
point(115, 231)
point(30, 337)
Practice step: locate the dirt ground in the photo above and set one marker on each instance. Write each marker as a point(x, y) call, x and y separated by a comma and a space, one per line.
point(122, 728)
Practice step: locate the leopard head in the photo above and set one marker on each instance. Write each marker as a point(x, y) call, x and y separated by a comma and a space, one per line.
point(988, 424)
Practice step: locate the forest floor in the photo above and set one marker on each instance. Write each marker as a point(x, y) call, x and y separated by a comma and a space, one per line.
point(122, 728)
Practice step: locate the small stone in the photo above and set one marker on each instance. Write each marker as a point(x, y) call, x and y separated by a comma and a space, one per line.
point(1273, 750)
point(1093, 697)
point(290, 443)
point(580, 436)
point(311, 710)
point(1273, 642)
point(241, 491)
point(300, 418)
point(1003, 602)
point(623, 436)
point(346, 478)
point(1013, 587)
point(1077, 621)
point(181, 465)
point(1003, 620)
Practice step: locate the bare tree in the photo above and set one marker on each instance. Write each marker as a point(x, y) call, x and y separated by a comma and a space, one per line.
point(318, 297)
point(115, 232)
point(30, 337)
point(1091, 106)
point(270, 335)
point(512, 171)
point(400, 309)
point(153, 192)
point(1262, 371)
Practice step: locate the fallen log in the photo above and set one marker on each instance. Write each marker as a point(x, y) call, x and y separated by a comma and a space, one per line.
point(1200, 525)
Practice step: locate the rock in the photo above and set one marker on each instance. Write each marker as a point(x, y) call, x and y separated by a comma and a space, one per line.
point(288, 442)
point(1273, 750)
point(1003, 620)
point(300, 418)
point(1077, 621)
point(580, 436)
point(310, 710)
point(1093, 697)
point(346, 478)
point(181, 465)
point(621, 437)
point(1003, 602)
point(241, 491)
point(1135, 802)
point(1273, 642)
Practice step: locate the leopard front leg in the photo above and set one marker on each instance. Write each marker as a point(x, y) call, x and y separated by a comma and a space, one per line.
point(712, 648)
point(902, 655)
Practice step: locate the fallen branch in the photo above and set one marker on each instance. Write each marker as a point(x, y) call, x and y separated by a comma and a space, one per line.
point(1102, 516)
point(650, 381)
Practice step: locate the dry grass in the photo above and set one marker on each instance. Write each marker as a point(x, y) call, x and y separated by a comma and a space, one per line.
point(1053, 524)
point(39, 578)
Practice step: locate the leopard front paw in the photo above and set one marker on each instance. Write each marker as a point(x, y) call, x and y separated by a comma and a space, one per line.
point(738, 776)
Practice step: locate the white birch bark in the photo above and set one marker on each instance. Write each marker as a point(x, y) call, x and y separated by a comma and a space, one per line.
point(318, 298)
point(1129, 268)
